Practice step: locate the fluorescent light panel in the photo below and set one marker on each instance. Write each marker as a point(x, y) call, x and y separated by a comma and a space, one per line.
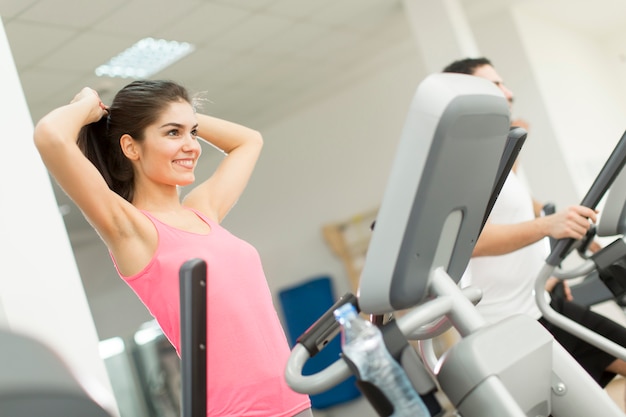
point(144, 58)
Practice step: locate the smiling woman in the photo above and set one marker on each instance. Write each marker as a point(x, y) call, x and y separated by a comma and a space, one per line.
point(122, 165)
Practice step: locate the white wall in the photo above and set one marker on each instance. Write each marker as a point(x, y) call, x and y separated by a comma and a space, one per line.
point(41, 294)
point(577, 78)
point(567, 86)
point(325, 164)
point(543, 163)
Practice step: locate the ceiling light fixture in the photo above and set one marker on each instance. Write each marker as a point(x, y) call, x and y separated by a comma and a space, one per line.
point(144, 58)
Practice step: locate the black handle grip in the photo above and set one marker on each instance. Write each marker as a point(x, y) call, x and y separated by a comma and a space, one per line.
point(193, 337)
point(316, 337)
point(600, 186)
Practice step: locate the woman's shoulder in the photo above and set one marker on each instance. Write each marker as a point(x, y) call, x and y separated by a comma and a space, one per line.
point(201, 208)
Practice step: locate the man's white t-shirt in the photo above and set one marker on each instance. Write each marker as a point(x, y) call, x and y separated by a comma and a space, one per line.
point(507, 281)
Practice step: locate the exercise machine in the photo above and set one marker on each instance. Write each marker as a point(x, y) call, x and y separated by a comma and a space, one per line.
point(193, 337)
point(606, 268)
point(604, 272)
point(34, 381)
point(450, 161)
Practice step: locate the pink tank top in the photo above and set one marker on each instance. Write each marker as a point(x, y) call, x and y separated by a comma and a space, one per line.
point(246, 346)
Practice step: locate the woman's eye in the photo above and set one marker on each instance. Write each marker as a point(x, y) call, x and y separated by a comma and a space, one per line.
point(173, 132)
point(194, 133)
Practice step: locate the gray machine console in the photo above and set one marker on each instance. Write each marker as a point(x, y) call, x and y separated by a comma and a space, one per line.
point(444, 177)
point(454, 121)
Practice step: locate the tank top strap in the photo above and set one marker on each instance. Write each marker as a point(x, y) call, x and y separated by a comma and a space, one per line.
point(198, 213)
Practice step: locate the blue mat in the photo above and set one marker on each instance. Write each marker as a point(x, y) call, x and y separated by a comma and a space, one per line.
point(302, 305)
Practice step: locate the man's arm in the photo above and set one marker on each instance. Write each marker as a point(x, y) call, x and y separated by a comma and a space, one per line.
point(500, 239)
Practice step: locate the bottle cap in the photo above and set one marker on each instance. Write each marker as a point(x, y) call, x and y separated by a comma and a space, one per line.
point(346, 310)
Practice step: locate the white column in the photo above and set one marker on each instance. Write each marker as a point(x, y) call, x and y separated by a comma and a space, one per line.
point(444, 31)
point(544, 163)
point(41, 293)
point(441, 32)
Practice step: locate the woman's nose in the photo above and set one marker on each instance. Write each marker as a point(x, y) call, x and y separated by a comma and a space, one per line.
point(191, 143)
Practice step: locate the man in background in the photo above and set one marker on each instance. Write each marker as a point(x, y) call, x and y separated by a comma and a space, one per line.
point(512, 248)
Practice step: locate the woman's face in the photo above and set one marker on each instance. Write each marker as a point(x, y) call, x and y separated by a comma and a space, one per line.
point(170, 149)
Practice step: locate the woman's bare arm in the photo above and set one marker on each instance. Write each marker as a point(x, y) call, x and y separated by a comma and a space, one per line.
point(242, 146)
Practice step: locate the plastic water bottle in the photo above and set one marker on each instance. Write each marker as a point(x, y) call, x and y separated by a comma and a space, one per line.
point(363, 345)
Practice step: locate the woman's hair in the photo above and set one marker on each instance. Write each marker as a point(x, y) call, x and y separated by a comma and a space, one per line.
point(134, 108)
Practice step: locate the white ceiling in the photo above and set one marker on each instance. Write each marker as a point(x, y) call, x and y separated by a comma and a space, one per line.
point(251, 57)
point(254, 59)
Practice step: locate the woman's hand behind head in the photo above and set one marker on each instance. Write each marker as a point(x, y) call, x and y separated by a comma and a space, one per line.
point(91, 98)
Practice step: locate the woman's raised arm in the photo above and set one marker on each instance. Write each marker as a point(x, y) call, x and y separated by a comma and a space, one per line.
point(242, 146)
point(55, 137)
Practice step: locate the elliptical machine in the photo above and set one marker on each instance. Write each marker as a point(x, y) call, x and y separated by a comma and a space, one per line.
point(450, 163)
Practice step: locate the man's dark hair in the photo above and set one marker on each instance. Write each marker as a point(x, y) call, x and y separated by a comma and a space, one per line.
point(467, 65)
